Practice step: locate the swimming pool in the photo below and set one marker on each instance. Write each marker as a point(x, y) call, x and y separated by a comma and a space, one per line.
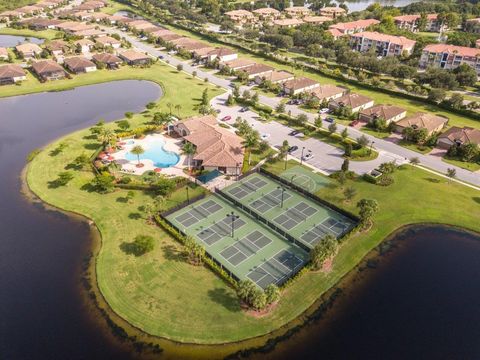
point(154, 150)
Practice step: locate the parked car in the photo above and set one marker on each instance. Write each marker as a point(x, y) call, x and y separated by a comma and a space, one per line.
point(308, 156)
point(354, 123)
point(293, 133)
point(330, 120)
point(243, 109)
point(292, 149)
point(299, 135)
point(160, 57)
point(226, 118)
point(324, 111)
point(265, 136)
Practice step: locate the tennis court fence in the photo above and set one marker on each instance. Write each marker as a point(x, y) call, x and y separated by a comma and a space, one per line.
point(182, 205)
point(309, 195)
point(259, 217)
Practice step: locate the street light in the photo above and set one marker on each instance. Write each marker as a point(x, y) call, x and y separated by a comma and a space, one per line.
point(371, 145)
point(283, 191)
point(233, 217)
point(301, 157)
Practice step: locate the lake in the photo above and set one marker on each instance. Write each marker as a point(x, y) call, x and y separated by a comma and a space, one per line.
point(13, 40)
point(359, 5)
point(42, 314)
point(419, 301)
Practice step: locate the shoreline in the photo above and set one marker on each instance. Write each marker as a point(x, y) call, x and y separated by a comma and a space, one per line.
point(153, 344)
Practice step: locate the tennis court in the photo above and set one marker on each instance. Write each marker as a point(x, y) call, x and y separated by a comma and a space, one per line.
point(306, 220)
point(252, 247)
point(305, 178)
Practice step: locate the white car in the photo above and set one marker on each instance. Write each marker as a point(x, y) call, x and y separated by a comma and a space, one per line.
point(324, 111)
point(265, 136)
point(307, 156)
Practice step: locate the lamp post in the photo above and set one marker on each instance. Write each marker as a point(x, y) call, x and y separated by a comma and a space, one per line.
point(371, 145)
point(286, 160)
point(283, 192)
point(291, 180)
point(238, 170)
point(233, 217)
point(188, 197)
point(301, 157)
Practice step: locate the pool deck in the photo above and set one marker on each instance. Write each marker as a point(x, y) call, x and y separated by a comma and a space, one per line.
point(171, 144)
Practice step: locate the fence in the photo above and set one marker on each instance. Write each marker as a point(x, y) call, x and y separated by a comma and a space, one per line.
point(259, 217)
point(182, 205)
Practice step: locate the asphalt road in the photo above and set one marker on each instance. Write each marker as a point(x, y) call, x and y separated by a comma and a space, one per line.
point(327, 159)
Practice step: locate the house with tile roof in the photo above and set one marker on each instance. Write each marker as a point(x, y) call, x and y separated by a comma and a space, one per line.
point(431, 122)
point(412, 22)
point(449, 57)
point(458, 136)
point(355, 101)
point(353, 27)
point(79, 64)
point(28, 50)
point(333, 12)
point(216, 148)
point(299, 85)
point(48, 70)
point(389, 113)
point(384, 45)
point(11, 74)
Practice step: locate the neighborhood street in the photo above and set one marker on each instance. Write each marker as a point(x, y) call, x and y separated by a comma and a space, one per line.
point(327, 158)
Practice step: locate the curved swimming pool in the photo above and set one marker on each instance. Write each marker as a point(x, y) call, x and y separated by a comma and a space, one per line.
point(154, 151)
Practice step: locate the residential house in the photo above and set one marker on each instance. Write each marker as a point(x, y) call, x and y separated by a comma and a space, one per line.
point(336, 34)
point(328, 92)
point(287, 23)
point(216, 148)
point(333, 12)
point(432, 123)
point(299, 85)
point(385, 45)
point(316, 20)
point(257, 70)
point(458, 136)
point(3, 54)
point(132, 57)
point(449, 57)
point(275, 77)
point(240, 16)
point(267, 14)
point(84, 45)
point(238, 64)
point(210, 54)
point(89, 33)
point(389, 113)
point(28, 50)
point(352, 27)
point(413, 22)
point(29, 10)
point(57, 47)
point(297, 11)
point(108, 41)
point(10, 15)
point(79, 65)
point(11, 74)
point(41, 23)
point(48, 70)
point(111, 61)
point(356, 102)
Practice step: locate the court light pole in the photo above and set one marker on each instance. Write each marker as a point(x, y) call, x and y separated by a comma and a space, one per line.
point(301, 157)
point(233, 217)
point(283, 192)
point(291, 179)
point(188, 196)
point(238, 170)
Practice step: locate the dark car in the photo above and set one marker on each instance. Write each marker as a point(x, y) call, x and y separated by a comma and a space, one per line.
point(330, 120)
point(243, 109)
point(160, 56)
point(293, 133)
point(292, 149)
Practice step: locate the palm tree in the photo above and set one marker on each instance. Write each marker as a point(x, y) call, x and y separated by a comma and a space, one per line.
point(188, 149)
point(137, 150)
point(451, 173)
point(178, 107)
point(170, 107)
point(106, 136)
point(251, 140)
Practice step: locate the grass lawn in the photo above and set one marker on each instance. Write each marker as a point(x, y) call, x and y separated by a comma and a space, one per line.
point(377, 134)
point(43, 34)
point(412, 106)
point(114, 7)
point(462, 164)
point(415, 147)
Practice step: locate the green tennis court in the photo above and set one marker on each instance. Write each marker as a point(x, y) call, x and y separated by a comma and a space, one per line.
point(304, 219)
point(242, 245)
point(305, 178)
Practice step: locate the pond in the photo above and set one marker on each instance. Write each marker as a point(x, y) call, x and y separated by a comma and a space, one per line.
point(41, 251)
point(14, 40)
point(417, 301)
point(359, 5)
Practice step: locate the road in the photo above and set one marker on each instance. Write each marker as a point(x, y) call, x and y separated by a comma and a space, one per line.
point(388, 151)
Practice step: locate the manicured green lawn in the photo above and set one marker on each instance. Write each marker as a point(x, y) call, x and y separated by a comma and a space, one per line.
point(44, 34)
point(462, 164)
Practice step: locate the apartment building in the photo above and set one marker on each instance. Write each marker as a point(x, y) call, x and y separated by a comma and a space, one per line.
point(385, 45)
point(449, 57)
point(413, 22)
point(353, 27)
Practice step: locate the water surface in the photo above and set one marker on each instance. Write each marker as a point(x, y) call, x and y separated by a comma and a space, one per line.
point(41, 312)
point(14, 40)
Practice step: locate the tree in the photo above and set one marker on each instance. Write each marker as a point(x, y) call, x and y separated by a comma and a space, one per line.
point(465, 75)
point(437, 95)
point(161, 118)
point(368, 208)
point(189, 150)
point(323, 250)
point(205, 97)
point(272, 293)
point(179, 67)
point(178, 107)
point(230, 100)
point(349, 193)
point(82, 162)
point(194, 251)
point(387, 167)
point(259, 299)
point(137, 150)
point(250, 142)
point(63, 179)
point(456, 101)
point(280, 108)
point(451, 173)
point(362, 141)
point(254, 97)
point(345, 165)
point(128, 114)
point(245, 289)
point(123, 125)
point(143, 244)
point(318, 122)
point(332, 128)
point(344, 134)
point(194, 73)
point(130, 196)
point(104, 182)
point(348, 149)
point(106, 136)
point(302, 119)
